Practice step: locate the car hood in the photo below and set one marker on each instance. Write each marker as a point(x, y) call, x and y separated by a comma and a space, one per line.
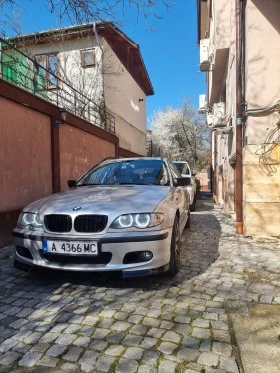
point(102, 200)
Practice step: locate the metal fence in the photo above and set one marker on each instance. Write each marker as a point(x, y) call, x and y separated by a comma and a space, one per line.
point(25, 72)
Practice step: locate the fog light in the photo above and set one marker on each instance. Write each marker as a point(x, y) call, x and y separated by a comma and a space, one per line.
point(147, 255)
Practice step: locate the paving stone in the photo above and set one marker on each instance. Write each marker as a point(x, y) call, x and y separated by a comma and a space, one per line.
point(148, 342)
point(155, 332)
point(187, 354)
point(205, 345)
point(201, 323)
point(196, 367)
point(69, 367)
point(9, 358)
point(167, 347)
point(222, 348)
point(171, 337)
point(100, 333)
point(166, 325)
point(56, 350)
point(219, 325)
point(146, 369)
point(115, 337)
point(98, 345)
point(49, 337)
point(134, 353)
point(36, 314)
point(126, 365)
point(201, 333)
point(7, 345)
point(30, 359)
point(88, 360)
point(114, 350)
point(135, 319)
point(72, 328)
point(58, 328)
point(182, 319)
point(65, 339)
point(221, 335)
point(190, 342)
point(22, 348)
point(104, 363)
point(120, 326)
point(33, 338)
point(40, 347)
point(167, 366)
point(18, 323)
point(73, 354)
point(229, 364)
point(48, 361)
point(149, 321)
point(90, 320)
point(132, 340)
point(208, 358)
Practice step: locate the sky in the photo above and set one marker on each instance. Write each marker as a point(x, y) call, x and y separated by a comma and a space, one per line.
point(169, 51)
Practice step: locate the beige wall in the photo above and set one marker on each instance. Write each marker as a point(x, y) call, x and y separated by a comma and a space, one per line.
point(262, 154)
point(122, 95)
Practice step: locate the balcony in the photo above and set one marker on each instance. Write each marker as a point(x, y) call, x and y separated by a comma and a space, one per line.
point(25, 72)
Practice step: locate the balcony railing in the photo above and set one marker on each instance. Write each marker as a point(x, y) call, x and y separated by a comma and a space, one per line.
point(25, 72)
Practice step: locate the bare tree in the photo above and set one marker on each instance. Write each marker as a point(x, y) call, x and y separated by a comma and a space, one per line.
point(83, 11)
point(180, 134)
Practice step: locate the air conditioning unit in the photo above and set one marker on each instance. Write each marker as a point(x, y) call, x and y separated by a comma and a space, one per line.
point(205, 61)
point(219, 117)
point(202, 104)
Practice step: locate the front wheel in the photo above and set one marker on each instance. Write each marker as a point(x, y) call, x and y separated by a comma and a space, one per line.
point(188, 224)
point(175, 255)
point(192, 206)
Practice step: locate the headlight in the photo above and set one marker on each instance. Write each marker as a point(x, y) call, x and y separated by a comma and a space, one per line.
point(137, 220)
point(28, 218)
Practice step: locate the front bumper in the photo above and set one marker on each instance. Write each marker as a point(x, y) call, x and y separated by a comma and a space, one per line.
point(112, 248)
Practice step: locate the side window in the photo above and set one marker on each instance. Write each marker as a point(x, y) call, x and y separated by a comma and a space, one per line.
point(47, 71)
point(187, 170)
point(174, 170)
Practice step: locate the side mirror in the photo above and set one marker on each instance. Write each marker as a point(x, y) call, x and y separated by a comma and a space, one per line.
point(71, 183)
point(182, 181)
point(193, 173)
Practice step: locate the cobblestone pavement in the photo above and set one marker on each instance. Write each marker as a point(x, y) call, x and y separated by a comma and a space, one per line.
point(55, 322)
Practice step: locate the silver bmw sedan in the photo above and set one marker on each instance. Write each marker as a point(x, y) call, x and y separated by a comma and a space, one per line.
point(122, 215)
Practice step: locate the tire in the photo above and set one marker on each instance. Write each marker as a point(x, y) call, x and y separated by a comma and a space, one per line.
point(175, 257)
point(192, 206)
point(188, 224)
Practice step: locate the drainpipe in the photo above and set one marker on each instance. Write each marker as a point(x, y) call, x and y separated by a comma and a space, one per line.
point(239, 129)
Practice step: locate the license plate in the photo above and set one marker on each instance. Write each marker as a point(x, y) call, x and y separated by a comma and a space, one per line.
point(70, 247)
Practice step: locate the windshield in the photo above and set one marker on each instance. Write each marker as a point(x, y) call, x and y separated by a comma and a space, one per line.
point(135, 171)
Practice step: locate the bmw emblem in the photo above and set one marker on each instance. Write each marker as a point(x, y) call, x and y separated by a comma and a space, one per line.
point(76, 208)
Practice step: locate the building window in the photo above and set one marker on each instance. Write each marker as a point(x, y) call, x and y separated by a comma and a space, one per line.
point(88, 57)
point(47, 71)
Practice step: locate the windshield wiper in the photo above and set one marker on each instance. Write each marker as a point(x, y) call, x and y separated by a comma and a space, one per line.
point(82, 185)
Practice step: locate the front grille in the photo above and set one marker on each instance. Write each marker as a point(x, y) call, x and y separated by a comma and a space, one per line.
point(90, 223)
point(101, 259)
point(58, 223)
